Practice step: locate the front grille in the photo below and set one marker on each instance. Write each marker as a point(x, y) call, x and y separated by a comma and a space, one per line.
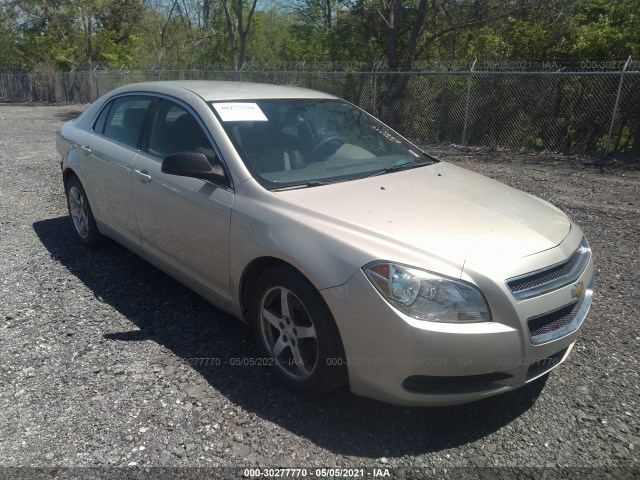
point(551, 278)
point(553, 273)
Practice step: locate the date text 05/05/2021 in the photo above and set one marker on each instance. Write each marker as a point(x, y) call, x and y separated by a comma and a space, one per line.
point(348, 473)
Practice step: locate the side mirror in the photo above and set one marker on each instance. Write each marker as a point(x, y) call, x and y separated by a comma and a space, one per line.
point(195, 165)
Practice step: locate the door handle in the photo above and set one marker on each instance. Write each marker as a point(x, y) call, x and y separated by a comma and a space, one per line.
point(144, 176)
point(86, 149)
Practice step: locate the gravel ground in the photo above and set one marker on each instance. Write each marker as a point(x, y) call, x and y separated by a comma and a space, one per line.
point(95, 348)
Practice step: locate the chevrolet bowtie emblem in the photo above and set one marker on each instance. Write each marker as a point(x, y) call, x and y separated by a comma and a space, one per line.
point(578, 290)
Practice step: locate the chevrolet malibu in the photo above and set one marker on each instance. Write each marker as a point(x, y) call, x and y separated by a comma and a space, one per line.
point(355, 257)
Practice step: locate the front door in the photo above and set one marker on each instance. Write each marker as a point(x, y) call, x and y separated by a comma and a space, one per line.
point(184, 222)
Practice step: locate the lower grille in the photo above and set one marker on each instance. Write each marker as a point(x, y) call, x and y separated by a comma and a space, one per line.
point(554, 320)
point(455, 385)
point(555, 324)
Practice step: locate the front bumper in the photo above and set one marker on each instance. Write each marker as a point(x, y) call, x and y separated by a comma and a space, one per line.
point(398, 359)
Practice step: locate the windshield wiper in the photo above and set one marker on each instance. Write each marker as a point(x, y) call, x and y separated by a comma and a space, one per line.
point(318, 183)
point(395, 168)
point(310, 183)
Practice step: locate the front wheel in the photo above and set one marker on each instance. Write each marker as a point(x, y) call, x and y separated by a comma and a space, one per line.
point(294, 328)
point(81, 215)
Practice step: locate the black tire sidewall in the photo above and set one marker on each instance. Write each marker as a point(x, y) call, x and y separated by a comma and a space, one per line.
point(330, 371)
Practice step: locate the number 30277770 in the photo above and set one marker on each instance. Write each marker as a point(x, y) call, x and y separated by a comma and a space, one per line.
point(317, 472)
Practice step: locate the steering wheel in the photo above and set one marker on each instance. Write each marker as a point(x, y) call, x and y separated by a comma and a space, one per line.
point(329, 142)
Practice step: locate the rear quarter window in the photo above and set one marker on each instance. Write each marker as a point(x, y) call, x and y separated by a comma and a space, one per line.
point(98, 126)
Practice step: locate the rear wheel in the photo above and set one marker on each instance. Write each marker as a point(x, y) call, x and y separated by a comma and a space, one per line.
point(296, 332)
point(81, 215)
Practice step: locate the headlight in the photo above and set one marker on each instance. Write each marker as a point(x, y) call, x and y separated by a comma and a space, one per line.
point(427, 296)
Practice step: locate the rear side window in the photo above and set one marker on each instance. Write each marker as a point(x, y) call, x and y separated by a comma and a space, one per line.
point(126, 118)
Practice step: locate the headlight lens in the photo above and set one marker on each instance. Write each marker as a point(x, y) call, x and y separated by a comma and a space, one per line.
point(427, 296)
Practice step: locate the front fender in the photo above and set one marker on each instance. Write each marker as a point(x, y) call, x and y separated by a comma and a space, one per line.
point(304, 248)
point(326, 251)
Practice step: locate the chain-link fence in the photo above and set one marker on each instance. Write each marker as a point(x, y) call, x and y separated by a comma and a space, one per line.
point(581, 112)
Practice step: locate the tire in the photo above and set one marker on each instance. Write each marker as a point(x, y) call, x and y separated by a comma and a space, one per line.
point(303, 347)
point(80, 214)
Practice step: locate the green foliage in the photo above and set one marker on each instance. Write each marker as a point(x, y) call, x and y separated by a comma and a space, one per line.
point(80, 34)
point(607, 29)
point(272, 34)
point(576, 31)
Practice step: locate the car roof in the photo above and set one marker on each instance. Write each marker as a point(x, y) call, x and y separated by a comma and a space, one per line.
point(211, 90)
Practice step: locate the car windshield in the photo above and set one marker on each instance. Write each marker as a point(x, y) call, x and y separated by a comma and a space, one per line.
point(289, 143)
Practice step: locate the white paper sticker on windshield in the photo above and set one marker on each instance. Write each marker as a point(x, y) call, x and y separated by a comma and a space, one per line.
point(239, 112)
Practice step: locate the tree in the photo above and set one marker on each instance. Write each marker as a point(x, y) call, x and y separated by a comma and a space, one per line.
point(238, 15)
point(411, 29)
point(274, 38)
point(10, 58)
point(63, 34)
point(319, 13)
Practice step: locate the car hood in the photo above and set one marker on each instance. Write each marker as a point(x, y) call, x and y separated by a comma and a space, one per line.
point(441, 210)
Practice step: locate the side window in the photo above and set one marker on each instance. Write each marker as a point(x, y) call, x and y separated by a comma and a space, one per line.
point(175, 130)
point(125, 119)
point(98, 127)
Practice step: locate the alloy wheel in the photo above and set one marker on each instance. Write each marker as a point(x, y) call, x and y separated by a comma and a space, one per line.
point(79, 212)
point(288, 332)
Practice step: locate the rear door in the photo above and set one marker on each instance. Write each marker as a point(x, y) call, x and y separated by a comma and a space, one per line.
point(109, 156)
point(184, 222)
